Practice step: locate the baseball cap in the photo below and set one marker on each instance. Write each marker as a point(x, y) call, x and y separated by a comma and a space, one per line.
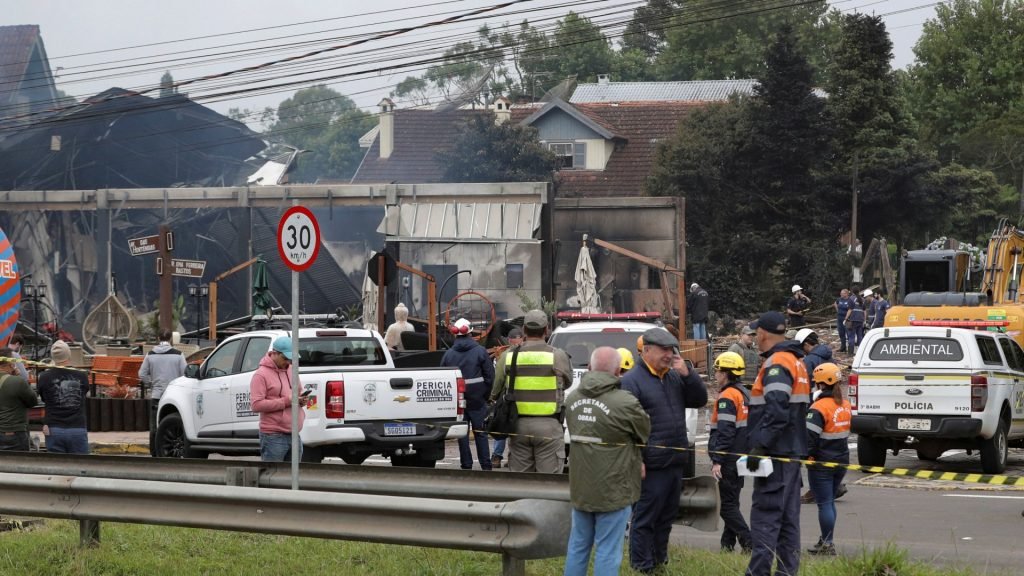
point(796, 288)
point(60, 352)
point(515, 333)
point(535, 319)
point(694, 286)
point(748, 330)
point(772, 322)
point(283, 344)
point(463, 323)
point(660, 337)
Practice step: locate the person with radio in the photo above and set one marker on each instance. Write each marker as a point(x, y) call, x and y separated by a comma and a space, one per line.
point(477, 368)
point(828, 431)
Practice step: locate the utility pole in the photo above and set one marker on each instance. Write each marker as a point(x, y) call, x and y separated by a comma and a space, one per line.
point(853, 224)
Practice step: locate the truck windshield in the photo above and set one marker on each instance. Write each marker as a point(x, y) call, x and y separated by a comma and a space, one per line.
point(342, 351)
point(917, 349)
point(579, 345)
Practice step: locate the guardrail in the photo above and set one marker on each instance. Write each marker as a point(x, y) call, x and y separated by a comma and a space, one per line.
point(699, 501)
point(524, 529)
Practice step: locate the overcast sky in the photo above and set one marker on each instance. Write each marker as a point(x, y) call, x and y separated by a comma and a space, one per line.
point(95, 45)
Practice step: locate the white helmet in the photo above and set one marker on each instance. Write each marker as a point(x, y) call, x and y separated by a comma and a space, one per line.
point(803, 333)
point(796, 288)
point(867, 292)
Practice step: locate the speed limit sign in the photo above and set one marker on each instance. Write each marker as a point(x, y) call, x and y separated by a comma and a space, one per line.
point(298, 238)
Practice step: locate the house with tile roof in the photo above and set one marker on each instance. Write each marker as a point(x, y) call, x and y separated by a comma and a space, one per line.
point(26, 82)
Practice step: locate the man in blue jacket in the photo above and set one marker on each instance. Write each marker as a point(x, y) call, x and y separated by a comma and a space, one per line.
point(665, 394)
point(478, 372)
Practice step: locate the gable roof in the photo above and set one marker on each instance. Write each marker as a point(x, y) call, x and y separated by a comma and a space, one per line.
point(418, 135)
point(642, 126)
point(689, 91)
point(17, 44)
point(596, 124)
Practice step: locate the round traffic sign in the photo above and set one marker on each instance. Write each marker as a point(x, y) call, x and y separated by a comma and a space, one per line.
point(298, 238)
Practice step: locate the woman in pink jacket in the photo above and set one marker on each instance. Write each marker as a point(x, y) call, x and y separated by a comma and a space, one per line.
point(270, 394)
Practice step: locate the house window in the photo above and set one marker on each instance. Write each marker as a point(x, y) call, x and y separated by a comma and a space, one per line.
point(570, 154)
point(513, 276)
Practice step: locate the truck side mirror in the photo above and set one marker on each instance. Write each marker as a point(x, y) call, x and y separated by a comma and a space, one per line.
point(192, 371)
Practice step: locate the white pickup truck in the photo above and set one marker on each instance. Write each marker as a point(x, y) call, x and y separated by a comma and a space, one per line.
point(360, 404)
point(932, 389)
point(579, 339)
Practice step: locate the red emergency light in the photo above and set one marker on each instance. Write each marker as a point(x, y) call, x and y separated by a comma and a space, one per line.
point(622, 316)
point(962, 323)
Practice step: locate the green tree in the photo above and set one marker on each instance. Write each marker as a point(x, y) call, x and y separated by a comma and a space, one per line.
point(646, 30)
point(327, 125)
point(969, 70)
point(708, 42)
point(487, 152)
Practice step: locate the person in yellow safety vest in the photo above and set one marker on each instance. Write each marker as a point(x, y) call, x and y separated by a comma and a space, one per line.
point(539, 375)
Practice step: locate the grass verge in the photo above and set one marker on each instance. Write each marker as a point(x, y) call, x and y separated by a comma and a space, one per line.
point(131, 549)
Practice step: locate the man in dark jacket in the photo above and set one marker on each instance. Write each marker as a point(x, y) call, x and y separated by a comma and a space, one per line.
point(697, 309)
point(606, 427)
point(665, 394)
point(777, 427)
point(478, 372)
point(16, 397)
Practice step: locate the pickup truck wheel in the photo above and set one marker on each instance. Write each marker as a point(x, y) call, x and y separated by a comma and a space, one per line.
point(171, 441)
point(993, 451)
point(870, 451)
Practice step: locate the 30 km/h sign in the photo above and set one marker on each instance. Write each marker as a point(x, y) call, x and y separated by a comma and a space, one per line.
point(298, 238)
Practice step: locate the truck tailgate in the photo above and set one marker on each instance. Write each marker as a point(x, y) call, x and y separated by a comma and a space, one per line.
point(401, 395)
point(946, 393)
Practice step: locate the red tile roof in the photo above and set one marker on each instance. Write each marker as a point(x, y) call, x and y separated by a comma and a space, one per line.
point(644, 125)
point(16, 43)
point(419, 134)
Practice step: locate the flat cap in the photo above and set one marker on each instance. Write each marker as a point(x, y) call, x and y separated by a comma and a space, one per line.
point(536, 319)
point(660, 337)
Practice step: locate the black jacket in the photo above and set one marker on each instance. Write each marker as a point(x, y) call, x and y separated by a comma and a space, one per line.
point(665, 398)
point(697, 306)
point(477, 369)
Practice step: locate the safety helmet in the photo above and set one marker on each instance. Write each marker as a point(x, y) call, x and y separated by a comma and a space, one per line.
point(828, 374)
point(796, 288)
point(627, 359)
point(730, 362)
point(867, 292)
point(803, 334)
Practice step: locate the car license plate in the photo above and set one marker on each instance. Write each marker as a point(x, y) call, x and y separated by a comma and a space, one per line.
point(913, 424)
point(399, 429)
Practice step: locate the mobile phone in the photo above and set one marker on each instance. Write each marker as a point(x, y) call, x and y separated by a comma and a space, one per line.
point(306, 392)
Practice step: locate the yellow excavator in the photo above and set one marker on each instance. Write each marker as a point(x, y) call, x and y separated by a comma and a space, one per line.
point(937, 287)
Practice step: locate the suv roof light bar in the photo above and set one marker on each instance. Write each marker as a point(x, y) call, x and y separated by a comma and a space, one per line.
point(590, 317)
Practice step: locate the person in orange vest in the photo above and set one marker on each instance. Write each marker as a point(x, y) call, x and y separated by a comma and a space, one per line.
point(777, 427)
point(729, 436)
point(828, 430)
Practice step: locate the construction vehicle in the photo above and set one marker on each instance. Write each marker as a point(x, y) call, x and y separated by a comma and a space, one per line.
point(937, 287)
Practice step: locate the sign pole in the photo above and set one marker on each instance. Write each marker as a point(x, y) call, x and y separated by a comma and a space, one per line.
point(296, 384)
point(166, 287)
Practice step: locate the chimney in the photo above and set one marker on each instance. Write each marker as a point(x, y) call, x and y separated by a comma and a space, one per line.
point(603, 79)
point(387, 127)
point(502, 110)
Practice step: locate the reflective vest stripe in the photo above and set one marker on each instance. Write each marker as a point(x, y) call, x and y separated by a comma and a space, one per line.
point(778, 387)
point(833, 435)
point(536, 382)
point(536, 386)
point(726, 418)
point(476, 380)
point(586, 439)
point(537, 408)
point(814, 427)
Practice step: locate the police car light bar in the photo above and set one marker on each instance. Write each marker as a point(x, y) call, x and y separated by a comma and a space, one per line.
point(962, 323)
point(580, 316)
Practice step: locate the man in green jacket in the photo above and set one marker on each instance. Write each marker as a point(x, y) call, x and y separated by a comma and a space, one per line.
point(606, 427)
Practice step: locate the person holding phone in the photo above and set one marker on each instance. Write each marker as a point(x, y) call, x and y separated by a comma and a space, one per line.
point(271, 394)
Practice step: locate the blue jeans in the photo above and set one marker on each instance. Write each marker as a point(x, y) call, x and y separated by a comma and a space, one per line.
point(67, 441)
point(499, 447)
point(475, 417)
point(276, 447)
point(825, 485)
point(700, 331)
point(604, 531)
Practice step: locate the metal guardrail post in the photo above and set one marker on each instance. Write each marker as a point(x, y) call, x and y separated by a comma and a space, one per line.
point(511, 566)
point(89, 533)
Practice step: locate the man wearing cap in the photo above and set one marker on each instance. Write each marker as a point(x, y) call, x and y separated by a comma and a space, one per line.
point(751, 357)
point(63, 391)
point(665, 394)
point(697, 309)
point(270, 394)
point(16, 397)
point(515, 338)
point(163, 364)
point(797, 306)
point(777, 427)
point(477, 368)
point(538, 375)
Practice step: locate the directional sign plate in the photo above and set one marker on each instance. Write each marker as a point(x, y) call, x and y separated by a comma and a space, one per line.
point(144, 245)
point(188, 268)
